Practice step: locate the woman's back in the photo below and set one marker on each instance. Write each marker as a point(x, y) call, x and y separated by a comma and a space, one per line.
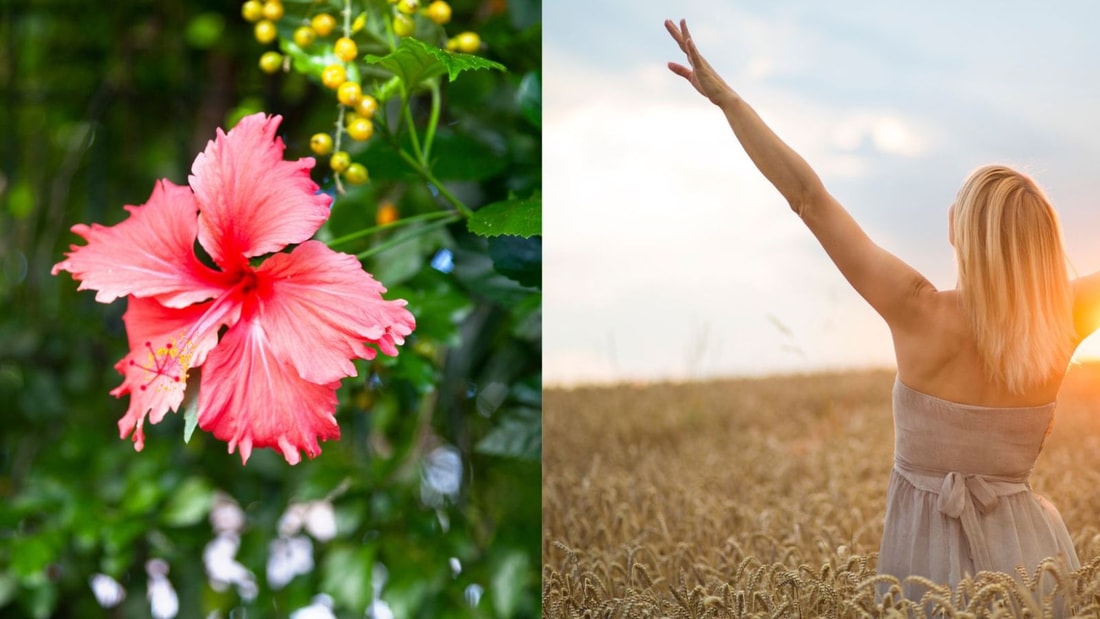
point(937, 354)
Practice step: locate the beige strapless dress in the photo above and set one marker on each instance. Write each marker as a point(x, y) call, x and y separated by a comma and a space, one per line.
point(959, 500)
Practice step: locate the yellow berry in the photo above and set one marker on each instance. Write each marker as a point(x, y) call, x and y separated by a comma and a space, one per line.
point(340, 161)
point(356, 174)
point(403, 25)
point(252, 10)
point(271, 62)
point(323, 24)
point(345, 49)
point(303, 36)
point(361, 129)
point(350, 117)
point(333, 75)
point(265, 31)
point(367, 106)
point(439, 12)
point(387, 214)
point(466, 42)
point(273, 10)
point(349, 93)
point(408, 7)
point(320, 144)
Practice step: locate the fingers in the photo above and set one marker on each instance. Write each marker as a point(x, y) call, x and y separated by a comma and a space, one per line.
point(671, 27)
point(684, 29)
point(680, 70)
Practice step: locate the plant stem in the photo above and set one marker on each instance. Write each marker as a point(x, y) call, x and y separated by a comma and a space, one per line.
point(397, 240)
point(404, 221)
point(336, 145)
point(443, 191)
point(340, 106)
point(413, 137)
point(433, 121)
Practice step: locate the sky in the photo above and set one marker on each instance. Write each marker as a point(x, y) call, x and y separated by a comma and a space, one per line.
point(668, 256)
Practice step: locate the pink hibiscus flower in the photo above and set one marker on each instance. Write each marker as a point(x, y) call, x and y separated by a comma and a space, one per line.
point(289, 326)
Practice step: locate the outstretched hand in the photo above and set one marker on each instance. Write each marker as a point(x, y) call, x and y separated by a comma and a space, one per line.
point(701, 75)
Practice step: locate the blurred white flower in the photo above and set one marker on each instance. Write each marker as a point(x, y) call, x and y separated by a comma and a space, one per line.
point(320, 520)
point(317, 517)
point(473, 594)
point(108, 592)
point(441, 477)
point(320, 607)
point(289, 557)
point(379, 609)
point(378, 576)
point(456, 566)
point(226, 516)
point(223, 569)
point(290, 523)
point(163, 601)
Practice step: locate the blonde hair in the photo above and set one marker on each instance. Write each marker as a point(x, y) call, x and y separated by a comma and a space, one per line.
point(1013, 280)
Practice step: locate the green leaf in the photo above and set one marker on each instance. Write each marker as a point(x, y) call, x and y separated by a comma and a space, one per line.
point(30, 555)
point(518, 259)
point(514, 216)
point(461, 157)
point(190, 420)
point(8, 588)
point(189, 503)
point(475, 270)
point(347, 575)
point(508, 583)
point(529, 98)
point(415, 61)
point(41, 600)
point(517, 435)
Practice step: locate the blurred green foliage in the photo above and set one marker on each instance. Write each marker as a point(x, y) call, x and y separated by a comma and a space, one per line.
point(97, 101)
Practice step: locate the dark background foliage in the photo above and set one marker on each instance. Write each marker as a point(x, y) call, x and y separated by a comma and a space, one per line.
point(97, 101)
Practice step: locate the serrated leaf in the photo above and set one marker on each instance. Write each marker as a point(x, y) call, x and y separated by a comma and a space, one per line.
point(514, 216)
point(190, 420)
point(415, 61)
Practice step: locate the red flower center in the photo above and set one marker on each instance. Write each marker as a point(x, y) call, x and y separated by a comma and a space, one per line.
point(168, 362)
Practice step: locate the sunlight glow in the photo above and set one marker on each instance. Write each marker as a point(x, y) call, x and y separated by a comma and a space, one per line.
point(1089, 350)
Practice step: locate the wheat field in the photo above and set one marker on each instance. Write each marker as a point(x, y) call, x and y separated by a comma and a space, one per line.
point(765, 498)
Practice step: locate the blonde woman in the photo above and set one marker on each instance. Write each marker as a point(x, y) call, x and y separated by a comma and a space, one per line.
point(979, 367)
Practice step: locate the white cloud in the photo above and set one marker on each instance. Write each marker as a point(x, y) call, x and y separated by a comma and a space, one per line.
point(657, 225)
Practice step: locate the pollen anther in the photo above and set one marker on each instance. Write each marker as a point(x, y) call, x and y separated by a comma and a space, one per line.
point(167, 361)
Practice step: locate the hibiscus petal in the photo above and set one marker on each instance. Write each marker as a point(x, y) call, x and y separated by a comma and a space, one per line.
point(251, 399)
point(252, 201)
point(163, 348)
point(319, 306)
point(150, 253)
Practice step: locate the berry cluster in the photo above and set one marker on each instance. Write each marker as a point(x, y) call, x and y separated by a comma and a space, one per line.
point(264, 15)
point(321, 36)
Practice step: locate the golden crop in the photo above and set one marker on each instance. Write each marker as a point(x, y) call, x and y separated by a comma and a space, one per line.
point(765, 498)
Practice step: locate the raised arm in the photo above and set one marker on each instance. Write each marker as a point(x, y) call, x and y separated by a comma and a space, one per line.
point(893, 288)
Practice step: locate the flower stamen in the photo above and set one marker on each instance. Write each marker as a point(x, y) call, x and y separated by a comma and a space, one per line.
point(169, 362)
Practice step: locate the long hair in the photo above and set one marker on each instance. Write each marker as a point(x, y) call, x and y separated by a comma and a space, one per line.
point(1013, 280)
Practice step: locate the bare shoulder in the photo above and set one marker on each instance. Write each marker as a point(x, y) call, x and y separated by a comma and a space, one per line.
point(937, 342)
